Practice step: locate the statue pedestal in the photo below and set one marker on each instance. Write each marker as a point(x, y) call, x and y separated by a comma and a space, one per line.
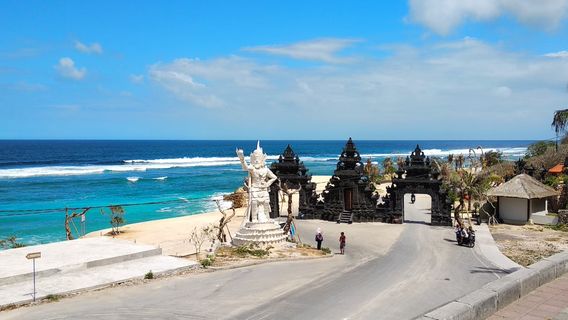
point(259, 233)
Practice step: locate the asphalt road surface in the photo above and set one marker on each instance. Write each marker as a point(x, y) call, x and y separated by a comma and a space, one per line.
point(388, 272)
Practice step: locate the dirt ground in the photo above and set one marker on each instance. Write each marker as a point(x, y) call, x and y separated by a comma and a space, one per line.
point(230, 256)
point(528, 244)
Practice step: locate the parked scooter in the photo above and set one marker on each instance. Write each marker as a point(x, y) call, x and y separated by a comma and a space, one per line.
point(465, 237)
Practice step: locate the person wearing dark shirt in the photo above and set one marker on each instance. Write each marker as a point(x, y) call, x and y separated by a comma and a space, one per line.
point(342, 239)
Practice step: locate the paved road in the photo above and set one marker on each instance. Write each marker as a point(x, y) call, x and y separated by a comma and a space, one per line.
point(423, 269)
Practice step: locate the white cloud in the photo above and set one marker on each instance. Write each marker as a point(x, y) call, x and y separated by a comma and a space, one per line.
point(92, 48)
point(559, 54)
point(137, 78)
point(66, 68)
point(430, 87)
point(189, 78)
point(443, 16)
point(317, 50)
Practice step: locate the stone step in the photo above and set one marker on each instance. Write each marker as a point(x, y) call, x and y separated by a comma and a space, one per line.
point(92, 278)
point(265, 233)
point(69, 256)
point(345, 217)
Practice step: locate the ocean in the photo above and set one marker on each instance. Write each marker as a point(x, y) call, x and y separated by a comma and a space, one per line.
point(40, 178)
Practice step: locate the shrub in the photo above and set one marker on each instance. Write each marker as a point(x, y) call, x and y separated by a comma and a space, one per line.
point(10, 243)
point(207, 262)
point(326, 250)
point(52, 297)
point(559, 227)
point(149, 275)
point(259, 252)
point(244, 251)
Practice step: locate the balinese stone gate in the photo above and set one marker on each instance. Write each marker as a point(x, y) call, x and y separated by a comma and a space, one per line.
point(416, 176)
point(291, 171)
point(348, 195)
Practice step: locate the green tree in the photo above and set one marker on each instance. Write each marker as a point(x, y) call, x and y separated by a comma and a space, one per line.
point(538, 148)
point(491, 158)
point(463, 184)
point(559, 123)
point(116, 218)
point(459, 161)
point(450, 158)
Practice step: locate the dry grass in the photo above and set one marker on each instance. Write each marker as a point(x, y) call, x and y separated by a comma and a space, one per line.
point(232, 256)
point(528, 244)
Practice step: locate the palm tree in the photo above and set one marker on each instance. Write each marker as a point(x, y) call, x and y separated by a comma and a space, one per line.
point(459, 161)
point(559, 123)
point(388, 166)
point(469, 182)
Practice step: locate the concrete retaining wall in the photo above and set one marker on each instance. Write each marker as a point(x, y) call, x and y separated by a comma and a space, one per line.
point(495, 295)
point(544, 219)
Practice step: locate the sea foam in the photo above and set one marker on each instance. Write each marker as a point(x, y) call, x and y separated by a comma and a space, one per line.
point(507, 152)
point(128, 166)
point(141, 165)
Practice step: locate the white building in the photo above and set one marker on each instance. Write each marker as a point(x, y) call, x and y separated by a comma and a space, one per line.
point(521, 199)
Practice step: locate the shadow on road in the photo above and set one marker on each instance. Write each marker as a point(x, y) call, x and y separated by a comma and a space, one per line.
point(417, 222)
point(450, 240)
point(493, 270)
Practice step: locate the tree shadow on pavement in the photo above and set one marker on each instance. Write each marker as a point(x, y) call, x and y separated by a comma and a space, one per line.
point(493, 270)
point(417, 222)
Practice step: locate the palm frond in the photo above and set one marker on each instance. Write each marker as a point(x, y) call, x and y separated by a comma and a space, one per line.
point(560, 120)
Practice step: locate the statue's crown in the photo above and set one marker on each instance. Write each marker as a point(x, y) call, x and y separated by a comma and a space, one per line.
point(258, 155)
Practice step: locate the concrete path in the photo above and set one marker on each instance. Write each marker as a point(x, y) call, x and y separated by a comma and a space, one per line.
point(78, 265)
point(488, 248)
point(62, 256)
point(549, 301)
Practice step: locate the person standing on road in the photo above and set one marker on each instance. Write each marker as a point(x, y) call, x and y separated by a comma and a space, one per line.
point(319, 238)
point(342, 243)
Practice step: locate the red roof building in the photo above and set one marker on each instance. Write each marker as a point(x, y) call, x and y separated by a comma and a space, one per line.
point(557, 169)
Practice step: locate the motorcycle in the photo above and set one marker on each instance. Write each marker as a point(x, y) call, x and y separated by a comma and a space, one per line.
point(465, 241)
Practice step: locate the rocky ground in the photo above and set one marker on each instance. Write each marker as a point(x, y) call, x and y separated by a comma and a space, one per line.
point(527, 244)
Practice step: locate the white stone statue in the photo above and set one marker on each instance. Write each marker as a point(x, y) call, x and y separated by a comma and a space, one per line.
point(260, 179)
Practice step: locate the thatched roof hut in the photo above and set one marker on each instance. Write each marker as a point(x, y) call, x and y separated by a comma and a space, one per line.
point(521, 199)
point(523, 186)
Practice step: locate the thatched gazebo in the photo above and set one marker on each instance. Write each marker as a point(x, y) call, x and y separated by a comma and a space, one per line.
point(521, 198)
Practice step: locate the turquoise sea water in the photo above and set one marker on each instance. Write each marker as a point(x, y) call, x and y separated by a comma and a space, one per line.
point(38, 179)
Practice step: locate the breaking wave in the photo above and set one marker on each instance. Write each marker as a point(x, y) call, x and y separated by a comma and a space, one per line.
point(157, 164)
point(126, 166)
point(211, 206)
point(507, 152)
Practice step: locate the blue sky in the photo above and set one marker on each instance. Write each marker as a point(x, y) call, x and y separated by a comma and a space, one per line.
point(418, 69)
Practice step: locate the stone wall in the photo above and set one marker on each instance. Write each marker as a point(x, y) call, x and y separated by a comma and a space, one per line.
point(563, 216)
